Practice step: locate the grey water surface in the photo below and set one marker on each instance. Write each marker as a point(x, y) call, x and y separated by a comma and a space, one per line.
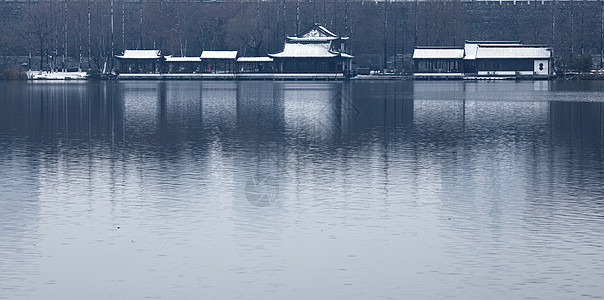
point(302, 190)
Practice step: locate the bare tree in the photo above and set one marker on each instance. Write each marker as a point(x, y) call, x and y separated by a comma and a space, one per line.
point(36, 29)
point(249, 28)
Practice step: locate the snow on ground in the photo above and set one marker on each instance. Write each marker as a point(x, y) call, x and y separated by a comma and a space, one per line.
point(41, 75)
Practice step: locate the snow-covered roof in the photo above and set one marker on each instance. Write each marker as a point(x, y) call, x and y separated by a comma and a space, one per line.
point(305, 50)
point(472, 46)
point(314, 42)
point(317, 30)
point(219, 55)
point(438, 53)
point(326, 30)
point(484, 50)
point(255, 59)
point(513, 52)
point(183, 59)
point(470, 51)
point(495, 42)
point(312, 39)
point(140, 54)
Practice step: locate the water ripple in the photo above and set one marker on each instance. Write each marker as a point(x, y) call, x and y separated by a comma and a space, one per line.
point(355, 190)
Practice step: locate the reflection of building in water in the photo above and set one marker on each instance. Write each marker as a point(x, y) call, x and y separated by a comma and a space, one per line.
point(313, 112)
point(388, 105)
point(449, 111)
point(575, 122)
point(571, 152)
point(259, 109)
point(278, 125)
point(141, 108)
point(175, 111)
point(485, 124)
point(317, 111)
point(219, 105)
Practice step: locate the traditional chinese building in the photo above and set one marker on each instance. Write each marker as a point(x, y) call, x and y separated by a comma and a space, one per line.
point(441, 62)
point(471, 49)
point(315, 50)
point(184, 64)
point(257, 64)
point(518, 60)
point(219, 61)
point(140, 61)
point(484, 59)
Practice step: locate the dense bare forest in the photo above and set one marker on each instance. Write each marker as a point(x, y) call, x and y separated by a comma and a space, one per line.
point(85, 34)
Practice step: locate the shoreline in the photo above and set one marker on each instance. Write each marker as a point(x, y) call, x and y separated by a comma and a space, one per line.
point(67, 76)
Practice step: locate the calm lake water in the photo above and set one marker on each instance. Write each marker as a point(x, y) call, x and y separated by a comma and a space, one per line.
point(302, 190)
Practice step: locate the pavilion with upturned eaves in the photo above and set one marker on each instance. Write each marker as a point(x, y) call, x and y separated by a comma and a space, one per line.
point(315, 50)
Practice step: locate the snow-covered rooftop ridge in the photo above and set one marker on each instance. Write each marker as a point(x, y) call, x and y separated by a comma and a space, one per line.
point(513, 52)
point(219, 54)
point(316, 41)
point(140, 54)
point(484, 49)
point(316, 31)
point(312, 39)
point(315, 50)
point(470, 51)
point(254, 59)
point(326, 30)
point(495, 42)
point(435, 53)
point(183, 59)
point(513, 45)
point(472, 47)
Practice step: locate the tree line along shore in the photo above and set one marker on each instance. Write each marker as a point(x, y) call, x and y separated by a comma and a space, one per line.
point(71, 35)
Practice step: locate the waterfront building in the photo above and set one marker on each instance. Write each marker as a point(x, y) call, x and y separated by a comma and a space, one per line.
point(471, 49)
point(185, 64)
point(219, 61)
point(260, 64)
point(484, 59)
point(315, 54)
point(534, 61)
point(140, 61)
point(438, 62)
point(315, 50)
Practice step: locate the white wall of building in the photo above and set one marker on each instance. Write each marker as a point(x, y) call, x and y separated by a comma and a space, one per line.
point(541, 67)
